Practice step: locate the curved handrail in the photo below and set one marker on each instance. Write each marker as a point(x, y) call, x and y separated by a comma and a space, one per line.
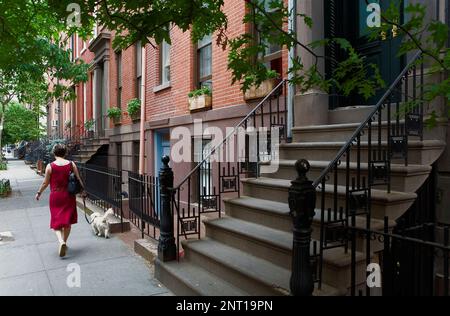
point(364, 124)
point(283, 81)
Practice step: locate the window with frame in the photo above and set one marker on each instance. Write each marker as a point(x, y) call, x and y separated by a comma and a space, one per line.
point(201, 149)
point(204, 62)
point(138, 70)
point(273, 52)
point(119, 78)
point(164, 64)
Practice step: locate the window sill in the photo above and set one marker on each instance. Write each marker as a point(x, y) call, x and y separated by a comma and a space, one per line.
point(162, 87)
point(273, 56)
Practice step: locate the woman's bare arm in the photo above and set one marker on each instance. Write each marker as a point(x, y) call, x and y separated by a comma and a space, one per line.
point(45, 183)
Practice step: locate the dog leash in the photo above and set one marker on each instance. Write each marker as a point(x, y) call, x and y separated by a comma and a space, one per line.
point(85, 213)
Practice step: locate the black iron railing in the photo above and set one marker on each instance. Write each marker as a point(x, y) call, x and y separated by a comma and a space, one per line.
point(104, 187)
point(221, 167)
point(364, 162)
point(144, 203)
point(410, 264)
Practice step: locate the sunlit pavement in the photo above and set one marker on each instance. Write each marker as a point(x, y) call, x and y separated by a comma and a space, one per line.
point(29, 262)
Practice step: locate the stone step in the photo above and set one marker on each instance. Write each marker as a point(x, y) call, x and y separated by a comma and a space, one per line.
point(392, 204)
point(253, 274)
point(187, 279)
point(420, 152)
point(343, 132)
point(275, 215)
point(403, 178)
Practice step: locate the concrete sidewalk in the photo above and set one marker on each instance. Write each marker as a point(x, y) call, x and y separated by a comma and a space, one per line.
point(29, 263)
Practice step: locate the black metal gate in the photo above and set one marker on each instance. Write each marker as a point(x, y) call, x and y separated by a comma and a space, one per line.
point(414, 262)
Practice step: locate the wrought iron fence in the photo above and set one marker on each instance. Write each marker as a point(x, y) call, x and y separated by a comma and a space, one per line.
point(364, 162)
point(221, 167)
point(104, 187)
point(412, 262)
point(144, 203)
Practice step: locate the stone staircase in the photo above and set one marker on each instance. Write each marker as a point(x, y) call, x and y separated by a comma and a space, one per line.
point(90, 148)
point(248, 251)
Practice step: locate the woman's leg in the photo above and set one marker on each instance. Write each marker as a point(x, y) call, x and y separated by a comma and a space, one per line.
point(62, 242)
point(59, 235)
point(66, 233)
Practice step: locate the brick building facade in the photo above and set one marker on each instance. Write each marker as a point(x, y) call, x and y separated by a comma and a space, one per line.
point(171, 72)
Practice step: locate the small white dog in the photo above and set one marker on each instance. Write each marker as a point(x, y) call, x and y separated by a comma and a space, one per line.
point(100, 224)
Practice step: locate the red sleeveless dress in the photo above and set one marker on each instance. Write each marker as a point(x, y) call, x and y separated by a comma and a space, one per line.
point(63, 206)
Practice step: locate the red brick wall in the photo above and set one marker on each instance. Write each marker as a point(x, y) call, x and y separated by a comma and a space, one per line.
point(174, 100)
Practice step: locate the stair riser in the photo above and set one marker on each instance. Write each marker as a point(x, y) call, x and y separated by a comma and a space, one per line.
point(245, 282)
point(333, 134)
point(400, 182)
point(277, 255)
point(419, 156)
point(379, 210)
point(283, 223)
point(172, 282)
point(343, 134)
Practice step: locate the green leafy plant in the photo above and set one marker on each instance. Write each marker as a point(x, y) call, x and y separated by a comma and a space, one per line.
point(203, 91)
point(114, 113)
point(134, 107)
point(89, 125)
point(3, 166)
point(5, 187)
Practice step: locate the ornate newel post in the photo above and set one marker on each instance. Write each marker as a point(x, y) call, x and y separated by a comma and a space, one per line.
point(302, 202)
point(167, 250)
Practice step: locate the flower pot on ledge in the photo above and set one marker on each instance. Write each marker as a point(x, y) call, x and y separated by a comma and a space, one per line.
point(260, 92)
point(116, 120)
point(200, 102)
point(135, 116)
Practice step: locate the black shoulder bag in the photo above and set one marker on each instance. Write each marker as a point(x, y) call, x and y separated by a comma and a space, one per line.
point(74, 186)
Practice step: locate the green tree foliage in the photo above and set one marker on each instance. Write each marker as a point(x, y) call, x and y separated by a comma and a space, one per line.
point(20, 124)
point(431, 38)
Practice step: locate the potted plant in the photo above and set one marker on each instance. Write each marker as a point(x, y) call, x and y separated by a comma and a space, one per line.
point(257, 92)
point(134, 109)
point(200, 99)
point(115, 114)
point(5, 188)
point(89, 127)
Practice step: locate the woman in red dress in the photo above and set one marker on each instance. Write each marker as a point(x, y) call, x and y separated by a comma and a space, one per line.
point(63, 208)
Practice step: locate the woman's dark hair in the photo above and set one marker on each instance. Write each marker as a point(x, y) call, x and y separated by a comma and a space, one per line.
point(60, 150)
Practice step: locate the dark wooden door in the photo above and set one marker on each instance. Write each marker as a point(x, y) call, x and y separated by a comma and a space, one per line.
point(348, 19)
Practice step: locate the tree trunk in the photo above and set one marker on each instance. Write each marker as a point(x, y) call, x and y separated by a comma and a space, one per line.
point(2, 126)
